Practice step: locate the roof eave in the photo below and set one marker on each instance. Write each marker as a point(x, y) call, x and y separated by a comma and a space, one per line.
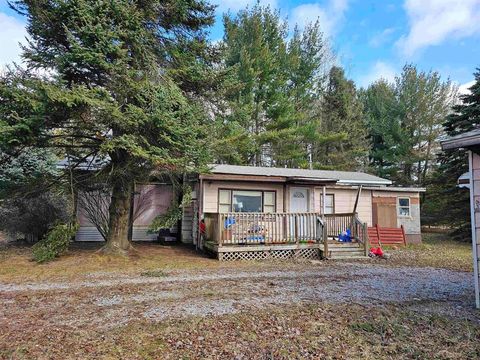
point(460, 142)
point(364, 182)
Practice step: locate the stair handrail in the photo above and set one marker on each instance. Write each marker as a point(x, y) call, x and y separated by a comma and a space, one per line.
point(360, 232)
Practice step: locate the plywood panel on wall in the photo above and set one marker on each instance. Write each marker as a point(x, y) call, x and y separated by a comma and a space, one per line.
point(385, 215)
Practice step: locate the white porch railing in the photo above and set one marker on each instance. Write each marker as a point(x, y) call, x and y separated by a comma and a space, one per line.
point(281, 228)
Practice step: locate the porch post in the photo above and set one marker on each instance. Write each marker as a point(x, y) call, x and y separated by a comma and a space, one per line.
point(324, 196)
point(325, 230)
point(219, 229)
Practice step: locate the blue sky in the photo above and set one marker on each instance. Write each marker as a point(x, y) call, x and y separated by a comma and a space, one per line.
point(372, 38)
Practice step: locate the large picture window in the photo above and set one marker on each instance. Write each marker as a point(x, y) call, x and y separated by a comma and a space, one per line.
point(246, 201)
point(404, 206)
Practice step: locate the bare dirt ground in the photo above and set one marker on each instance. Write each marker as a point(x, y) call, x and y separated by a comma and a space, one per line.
point(336, 310)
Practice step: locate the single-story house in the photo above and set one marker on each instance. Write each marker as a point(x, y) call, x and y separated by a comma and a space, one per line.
point(471, 142)
point(243, 212)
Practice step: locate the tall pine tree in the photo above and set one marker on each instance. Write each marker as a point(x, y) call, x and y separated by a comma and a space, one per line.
point(342, 125)
point(269, 119)
point(445, 202)
point(124, 83)
point(404, 121)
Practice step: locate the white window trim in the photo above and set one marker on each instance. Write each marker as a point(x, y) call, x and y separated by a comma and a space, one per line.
point(409, 207)
point(231, 204)
point(333, 200)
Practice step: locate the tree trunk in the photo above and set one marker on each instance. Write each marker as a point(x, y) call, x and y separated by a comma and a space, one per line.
point(119, 219)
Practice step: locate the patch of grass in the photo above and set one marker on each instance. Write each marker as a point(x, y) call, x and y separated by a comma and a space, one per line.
point(154, 273)
point(84, 259)
point(436, 250)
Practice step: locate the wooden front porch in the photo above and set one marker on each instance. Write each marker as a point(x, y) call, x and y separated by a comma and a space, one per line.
point(258, 236)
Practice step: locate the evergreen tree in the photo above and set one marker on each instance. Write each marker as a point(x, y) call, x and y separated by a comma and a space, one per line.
point(343, 125)
point(274, 81)
point(446, 203)
point(382, 119)
point(404, 122)
point(124, 83)
point(255, 52)
point(309, 58)
point(424, 102)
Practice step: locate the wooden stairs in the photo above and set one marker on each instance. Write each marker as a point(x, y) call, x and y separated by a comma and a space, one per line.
point(386, 236)
point(344, 251)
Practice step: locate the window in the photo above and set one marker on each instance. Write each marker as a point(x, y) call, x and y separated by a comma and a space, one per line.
point(329, 203)
point(246, 201)
point(269, 201)
point(224, 201)
point(404, 206)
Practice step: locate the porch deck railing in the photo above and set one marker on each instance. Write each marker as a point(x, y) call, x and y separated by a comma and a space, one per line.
point(281, 228)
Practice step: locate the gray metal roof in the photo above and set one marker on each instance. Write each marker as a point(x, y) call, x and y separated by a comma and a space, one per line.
point(342, 177)
point(466, 139)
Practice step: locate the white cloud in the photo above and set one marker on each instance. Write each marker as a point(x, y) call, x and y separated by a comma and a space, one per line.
point(464, 88)
point(330, 16)
point(236, 5)
point(379, 70)
point(433, 21)
point(381, 38)
point(12, 31)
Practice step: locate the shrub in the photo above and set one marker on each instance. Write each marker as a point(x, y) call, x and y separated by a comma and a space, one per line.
point(54, 243)
point(33, 216)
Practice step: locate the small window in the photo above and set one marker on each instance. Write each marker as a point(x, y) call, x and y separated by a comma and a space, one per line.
point(269, 201)
point(224, 201)
point(404, 206)
point(329, 203)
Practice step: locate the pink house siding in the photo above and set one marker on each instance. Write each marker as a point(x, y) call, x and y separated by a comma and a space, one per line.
point(150, 201)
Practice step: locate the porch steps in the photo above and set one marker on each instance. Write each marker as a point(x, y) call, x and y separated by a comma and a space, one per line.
point(341, 251)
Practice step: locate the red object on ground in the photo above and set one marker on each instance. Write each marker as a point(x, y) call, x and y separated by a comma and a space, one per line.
point(202, 227)
point(377, 251)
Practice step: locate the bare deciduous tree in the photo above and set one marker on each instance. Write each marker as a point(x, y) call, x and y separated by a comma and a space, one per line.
point(95, 203)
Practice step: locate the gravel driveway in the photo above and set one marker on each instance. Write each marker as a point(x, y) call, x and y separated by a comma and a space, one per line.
point(104, 300)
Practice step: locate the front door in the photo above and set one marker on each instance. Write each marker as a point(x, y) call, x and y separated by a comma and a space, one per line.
point(298, 204)
point(298, 200)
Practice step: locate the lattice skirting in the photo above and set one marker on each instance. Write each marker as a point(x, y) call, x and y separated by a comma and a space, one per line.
point(269, 254)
